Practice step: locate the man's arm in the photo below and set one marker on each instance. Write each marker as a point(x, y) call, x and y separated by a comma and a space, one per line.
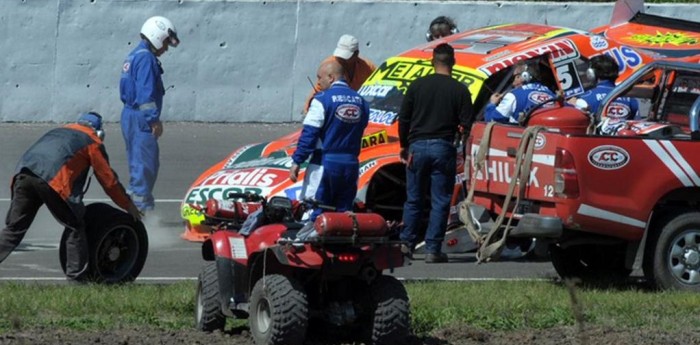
point(109, 179)
point(146, 69)
point(308, 139)
point(501, 112)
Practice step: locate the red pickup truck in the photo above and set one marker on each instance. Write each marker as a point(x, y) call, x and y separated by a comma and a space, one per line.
point(606, 204)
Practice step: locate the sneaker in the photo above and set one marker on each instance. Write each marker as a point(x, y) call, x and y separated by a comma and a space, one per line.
point(435, 258)
point(407, 251)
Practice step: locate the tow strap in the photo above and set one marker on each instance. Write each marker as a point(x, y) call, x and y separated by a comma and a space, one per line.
point(490, 245)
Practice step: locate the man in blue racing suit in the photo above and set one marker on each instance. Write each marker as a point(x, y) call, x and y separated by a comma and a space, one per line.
point(141, 90)
point(527, 92)
point(603, 69)
point(332, 132)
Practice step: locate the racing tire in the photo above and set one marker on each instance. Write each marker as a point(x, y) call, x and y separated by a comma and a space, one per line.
point(675, 258)
point(592, 264)
point(391, 317)
point(279, 311)
point(117, 245)
point(208, 314)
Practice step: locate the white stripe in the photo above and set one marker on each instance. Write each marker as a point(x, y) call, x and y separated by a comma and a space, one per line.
point(587, 210)
point(681, 161)
point(669, 162)
point(537, 158)
point(108, 200)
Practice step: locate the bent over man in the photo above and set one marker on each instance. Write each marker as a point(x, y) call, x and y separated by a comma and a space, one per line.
point(53, 172)
point(332, 133)
point(141, 90)
point(434, 108)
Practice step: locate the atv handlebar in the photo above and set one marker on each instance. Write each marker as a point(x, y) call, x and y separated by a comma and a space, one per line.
point(250, 197)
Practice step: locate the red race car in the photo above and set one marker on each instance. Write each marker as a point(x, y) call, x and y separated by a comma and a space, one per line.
point(484, 60)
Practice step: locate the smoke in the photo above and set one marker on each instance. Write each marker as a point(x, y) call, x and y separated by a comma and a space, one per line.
point(162, 234)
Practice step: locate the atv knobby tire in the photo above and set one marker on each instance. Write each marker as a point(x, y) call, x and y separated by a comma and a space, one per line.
point(278, 311)
point(208, 315)
point(391, 319)
point(117, 245)
point(674, 262)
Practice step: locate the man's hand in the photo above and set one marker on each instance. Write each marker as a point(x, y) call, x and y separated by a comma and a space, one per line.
point(496, 98)
point(403, 155)
point(157, 129)
point(294, 172)
point(134, 212)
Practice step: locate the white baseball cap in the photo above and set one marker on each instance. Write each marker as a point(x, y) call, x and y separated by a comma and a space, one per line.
point(347, 45)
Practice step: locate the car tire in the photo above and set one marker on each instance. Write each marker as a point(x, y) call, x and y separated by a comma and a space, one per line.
point(675, 259)
point(117, 245)
point(278, 311)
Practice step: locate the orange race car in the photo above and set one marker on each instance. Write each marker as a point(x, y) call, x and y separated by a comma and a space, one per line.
point(484, 60)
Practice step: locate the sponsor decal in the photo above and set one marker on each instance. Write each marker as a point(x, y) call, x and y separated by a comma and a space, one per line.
point(238, 250)
point(367, 166)
point(540, 141)
point(538, 97)
point(560, 50)
point(375, 90)
point(382, 117)
point(200, 195)
point(675, 39)
point(598, 43)
point(608, 157)
point(232, 159)
point(375, 139)
point(267, 162)
point(403, 71)
point(258, 177)
point(618, 111)
point(293, 193)
point(126, 66)
point(348, 113)
point(625, 56)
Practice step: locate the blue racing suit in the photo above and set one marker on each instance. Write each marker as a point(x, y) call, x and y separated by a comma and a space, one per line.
point(517, 101)
point(141, 90)
point(622, 108)
point(333, 129)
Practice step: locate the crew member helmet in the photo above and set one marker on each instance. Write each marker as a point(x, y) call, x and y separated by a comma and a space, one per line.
point(158, 29)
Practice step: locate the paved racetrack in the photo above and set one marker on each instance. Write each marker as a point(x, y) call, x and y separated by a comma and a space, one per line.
point(187, 149)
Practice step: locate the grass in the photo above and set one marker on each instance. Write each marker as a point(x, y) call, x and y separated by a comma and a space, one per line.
point(494, 306)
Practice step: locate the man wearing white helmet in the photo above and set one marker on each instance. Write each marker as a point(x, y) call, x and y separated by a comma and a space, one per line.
point(141, 90)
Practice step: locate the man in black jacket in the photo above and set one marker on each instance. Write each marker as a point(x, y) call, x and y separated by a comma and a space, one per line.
point(434, 108)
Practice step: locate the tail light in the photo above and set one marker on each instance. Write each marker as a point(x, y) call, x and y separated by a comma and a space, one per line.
point(348, 257)
point(565, 177)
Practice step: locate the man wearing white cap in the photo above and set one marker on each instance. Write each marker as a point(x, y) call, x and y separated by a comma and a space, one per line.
point(357, 69)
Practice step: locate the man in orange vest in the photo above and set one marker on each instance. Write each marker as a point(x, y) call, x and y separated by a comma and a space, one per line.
point(53, 172)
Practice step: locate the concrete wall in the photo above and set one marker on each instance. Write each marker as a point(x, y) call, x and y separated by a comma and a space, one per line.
point(239, 61)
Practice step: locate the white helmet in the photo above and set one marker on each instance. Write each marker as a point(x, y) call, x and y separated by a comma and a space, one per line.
point(157, 29)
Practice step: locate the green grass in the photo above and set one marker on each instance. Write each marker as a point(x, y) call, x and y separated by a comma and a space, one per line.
point(434, 305)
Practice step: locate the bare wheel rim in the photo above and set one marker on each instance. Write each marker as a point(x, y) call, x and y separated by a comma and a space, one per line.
point(117, 252)
point(263, 316)
point(684, 257)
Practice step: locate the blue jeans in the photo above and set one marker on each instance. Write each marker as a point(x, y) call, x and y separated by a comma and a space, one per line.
point(432, 166)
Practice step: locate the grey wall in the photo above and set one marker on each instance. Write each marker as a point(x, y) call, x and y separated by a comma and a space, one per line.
point(239, 61)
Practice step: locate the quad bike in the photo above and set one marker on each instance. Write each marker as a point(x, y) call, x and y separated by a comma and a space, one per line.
point(283, 284)
point(118, 245)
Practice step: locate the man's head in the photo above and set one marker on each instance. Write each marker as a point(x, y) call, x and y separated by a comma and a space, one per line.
point(443, 56)
point(347, 48)
point(441, 27)
point(603, 67)
point(160, 33)
point(92, 120)
point(525, 72)
point(328, 73)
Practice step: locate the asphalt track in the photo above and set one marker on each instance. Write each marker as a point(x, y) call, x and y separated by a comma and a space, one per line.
point(187, 149)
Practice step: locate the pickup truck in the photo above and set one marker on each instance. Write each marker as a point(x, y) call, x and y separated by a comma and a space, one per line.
point(605, 204)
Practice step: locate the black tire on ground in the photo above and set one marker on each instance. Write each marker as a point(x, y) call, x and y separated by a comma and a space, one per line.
point(391, 320)
point(675, 254)
point(208, 315)
point(117, 244)
point(598, 264)
point(278, 311)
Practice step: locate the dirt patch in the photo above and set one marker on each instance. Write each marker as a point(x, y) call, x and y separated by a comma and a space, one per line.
point(457, 335)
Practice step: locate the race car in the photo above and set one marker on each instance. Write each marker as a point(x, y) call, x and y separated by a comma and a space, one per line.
point(484, 61)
